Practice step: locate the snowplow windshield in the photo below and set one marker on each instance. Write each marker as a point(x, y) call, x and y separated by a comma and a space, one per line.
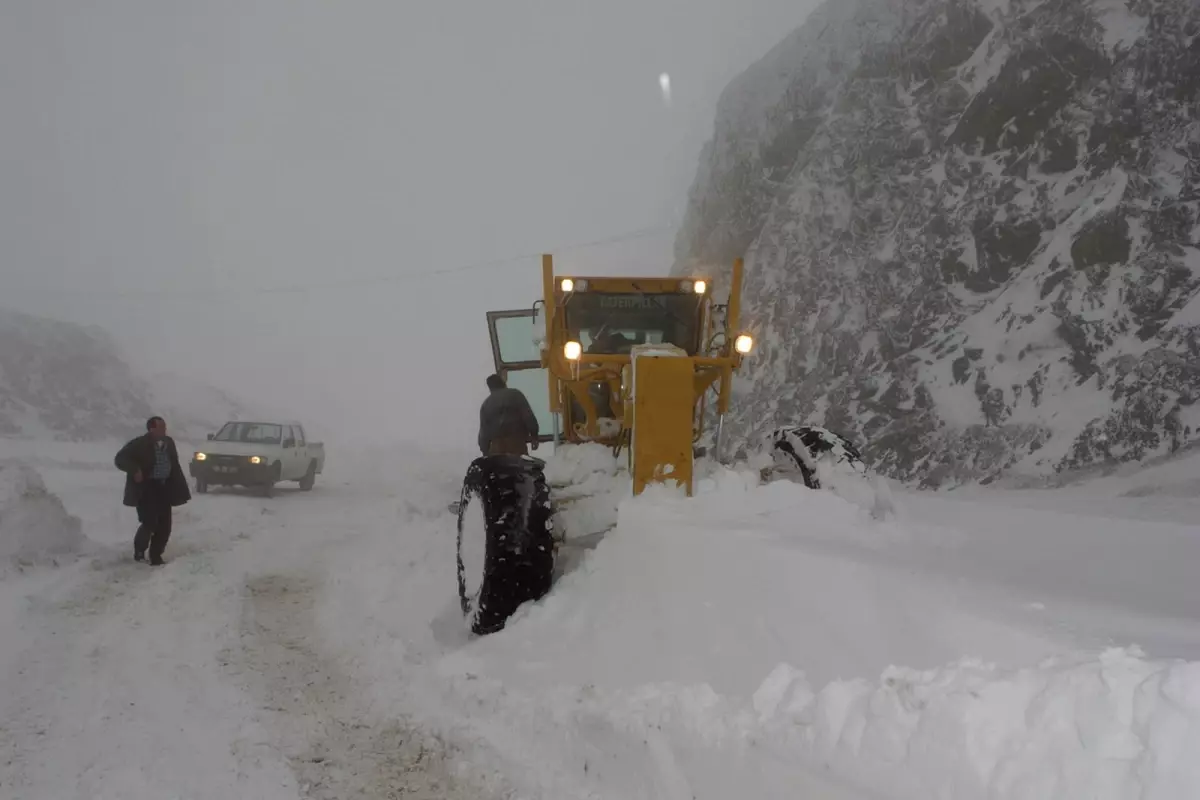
point(613, 322)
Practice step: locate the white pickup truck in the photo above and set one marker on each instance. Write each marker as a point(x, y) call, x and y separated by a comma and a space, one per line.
point(258, 455)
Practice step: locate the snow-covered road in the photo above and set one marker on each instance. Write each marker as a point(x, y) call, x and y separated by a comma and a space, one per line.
point(754, 641)
point(202, 679)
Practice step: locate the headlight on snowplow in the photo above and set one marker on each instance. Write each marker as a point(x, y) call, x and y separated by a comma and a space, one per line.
point(744, 343)
point(257, 459)
point(201, 456)
point(572, 350)
point(700, 287)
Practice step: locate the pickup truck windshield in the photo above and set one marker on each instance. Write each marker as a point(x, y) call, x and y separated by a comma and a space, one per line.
point(250, 432)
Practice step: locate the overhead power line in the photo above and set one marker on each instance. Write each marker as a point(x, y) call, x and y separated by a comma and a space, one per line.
point(367, 280)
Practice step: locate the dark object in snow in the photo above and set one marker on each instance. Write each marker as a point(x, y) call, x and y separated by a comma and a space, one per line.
point(515, 562)
point(802, 446)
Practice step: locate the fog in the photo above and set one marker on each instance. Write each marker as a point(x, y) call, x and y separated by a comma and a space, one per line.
point(312, 204)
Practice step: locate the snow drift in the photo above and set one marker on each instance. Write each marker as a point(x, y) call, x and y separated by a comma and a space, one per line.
point(1109, 726)
point(35, 528)
point(588, 488)
point(746, 642)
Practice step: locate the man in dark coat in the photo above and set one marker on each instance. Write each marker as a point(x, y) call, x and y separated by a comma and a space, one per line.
point(506, 422)
point(154, 484)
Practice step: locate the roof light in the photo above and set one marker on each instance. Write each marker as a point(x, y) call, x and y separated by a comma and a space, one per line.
point(744, 343)
point(567, 285)
point(699, 287)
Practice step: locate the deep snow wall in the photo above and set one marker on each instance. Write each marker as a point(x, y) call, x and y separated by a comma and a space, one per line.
point(971, 231)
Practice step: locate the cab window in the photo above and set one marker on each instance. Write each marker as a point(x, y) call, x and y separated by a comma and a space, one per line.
point(612, 323)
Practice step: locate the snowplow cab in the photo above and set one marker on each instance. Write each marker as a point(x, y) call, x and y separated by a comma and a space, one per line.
point(631, 363)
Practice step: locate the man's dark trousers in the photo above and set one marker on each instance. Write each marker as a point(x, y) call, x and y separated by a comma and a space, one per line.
point(154, 514)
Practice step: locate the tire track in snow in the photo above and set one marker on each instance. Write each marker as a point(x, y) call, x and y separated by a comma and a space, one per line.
point(323, 722)
point(116, 693)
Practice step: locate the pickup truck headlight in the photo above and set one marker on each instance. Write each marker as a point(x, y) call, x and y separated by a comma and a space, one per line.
point(201, 456)
point(257, 460)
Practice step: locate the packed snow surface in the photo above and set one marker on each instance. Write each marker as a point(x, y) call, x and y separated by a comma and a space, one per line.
point(752, 641)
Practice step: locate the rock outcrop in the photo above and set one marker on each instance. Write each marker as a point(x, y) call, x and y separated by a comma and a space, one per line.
point(68, 382)
point(971, 231)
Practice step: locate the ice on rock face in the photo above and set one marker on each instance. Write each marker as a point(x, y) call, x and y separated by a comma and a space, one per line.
point(957, 251)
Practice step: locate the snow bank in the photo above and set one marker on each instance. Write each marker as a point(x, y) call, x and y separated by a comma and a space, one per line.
point(1112, 726)
point(576, 465)
point(1104, 727)
point(744, 642)
point(35, 528)
point(669, 626)
point(720, 587)
point(588, 484)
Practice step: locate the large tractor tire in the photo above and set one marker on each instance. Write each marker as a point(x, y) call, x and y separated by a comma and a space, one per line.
point(505, 539)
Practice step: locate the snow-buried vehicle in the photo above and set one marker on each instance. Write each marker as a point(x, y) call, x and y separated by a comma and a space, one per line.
point(802, 448)
point(826, 460)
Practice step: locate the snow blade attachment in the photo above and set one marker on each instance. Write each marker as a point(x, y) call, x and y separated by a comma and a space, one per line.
point(802, 446)
point(505, 539)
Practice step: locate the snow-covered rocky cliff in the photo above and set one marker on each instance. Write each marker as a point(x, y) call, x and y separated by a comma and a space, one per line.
point(67, 382)
point(971, 231)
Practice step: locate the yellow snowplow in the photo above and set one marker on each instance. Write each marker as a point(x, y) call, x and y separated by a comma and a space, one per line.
point(629, 363)
point(626, 362)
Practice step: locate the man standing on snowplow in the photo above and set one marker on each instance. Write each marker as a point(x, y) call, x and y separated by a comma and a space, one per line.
point(507, 424)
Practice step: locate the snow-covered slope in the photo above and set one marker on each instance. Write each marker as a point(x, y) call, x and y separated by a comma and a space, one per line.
point(69, 382)
point(972, 231)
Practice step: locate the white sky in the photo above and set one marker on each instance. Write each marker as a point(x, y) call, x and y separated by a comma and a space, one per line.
point(164, 161)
